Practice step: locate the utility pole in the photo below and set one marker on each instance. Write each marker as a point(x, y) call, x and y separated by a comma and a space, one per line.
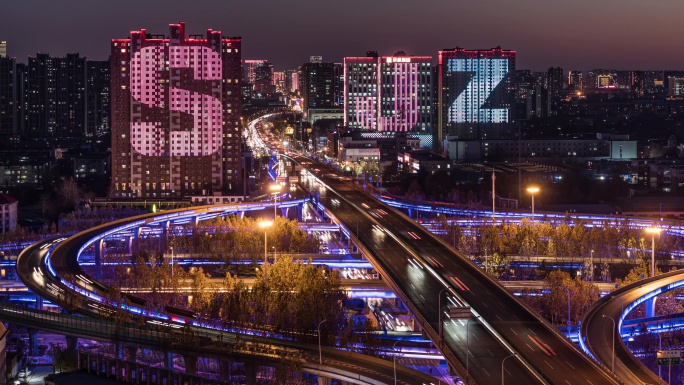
point(493, 195)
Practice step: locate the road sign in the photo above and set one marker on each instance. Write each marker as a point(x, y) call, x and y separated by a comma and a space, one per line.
point(461, 312)
point(669, 357)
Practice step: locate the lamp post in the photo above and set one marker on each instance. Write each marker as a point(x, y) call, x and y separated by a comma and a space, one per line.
point(502, 366)
point(468, 345)
point(439, 308)
point(395, 361)
point(275, 189)
point(171, 247)
point(591, 267)
point(569, 312)
point(612, 363)
point(320, 353)
point(533, 190)
point(265, 225)
point(653, 231)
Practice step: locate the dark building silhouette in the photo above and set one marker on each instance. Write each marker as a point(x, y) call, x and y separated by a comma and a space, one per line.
point(97, 97)
point(317, 85)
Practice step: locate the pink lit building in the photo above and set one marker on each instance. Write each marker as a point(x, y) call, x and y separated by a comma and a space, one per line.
point(388, 93)
point(175, 114)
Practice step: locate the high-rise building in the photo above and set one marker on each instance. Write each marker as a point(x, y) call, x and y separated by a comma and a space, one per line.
point(248, 68)
point(473, 90)
point(404, 84)
point(56, 96)
point(675, 86)
point(556, 88)
point(575, 81)
point(317, 85)
point(289, 85)
point(361, 92)
point(3, 48)
point(8, 89)
point(176, 114)
point(97, 93)
point(263, 78)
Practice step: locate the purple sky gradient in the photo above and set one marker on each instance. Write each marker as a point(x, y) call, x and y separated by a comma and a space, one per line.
point(577, 34)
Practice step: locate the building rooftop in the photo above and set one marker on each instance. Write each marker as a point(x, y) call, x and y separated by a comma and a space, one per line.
point(6, 199)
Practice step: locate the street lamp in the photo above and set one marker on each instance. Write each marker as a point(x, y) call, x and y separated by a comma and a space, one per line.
point(468, 344)
point(439, 307)
point(171, 247)
point(394, 356)
point(265, 225)
point(591, 267)
point(533, 190)
point(502, 366)
point(275, 189)
point(612, 363)
point(320, 353)
point(653, 231)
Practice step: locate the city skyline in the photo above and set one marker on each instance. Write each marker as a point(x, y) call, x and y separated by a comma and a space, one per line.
point(591, 35)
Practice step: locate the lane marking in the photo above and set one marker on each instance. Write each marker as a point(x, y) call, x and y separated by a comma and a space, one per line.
point(569, 364)
point(528, 345)
point(485, 370)
point(547, 363)
point(511, 329)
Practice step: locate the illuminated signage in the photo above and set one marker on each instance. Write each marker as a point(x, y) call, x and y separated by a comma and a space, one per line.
point(152, 86)
point(478, 81)
point(398, 60)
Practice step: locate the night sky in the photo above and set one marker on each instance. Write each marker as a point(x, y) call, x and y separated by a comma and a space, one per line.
point(573, 34)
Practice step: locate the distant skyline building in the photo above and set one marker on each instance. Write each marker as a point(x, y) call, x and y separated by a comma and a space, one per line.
point(176, 115)
point(575, 80)
point(675, 86)
point(3, 48)
point(56, 96)
point(8, 102)
point(473, 90)
point(317, 85)
point(98, 107)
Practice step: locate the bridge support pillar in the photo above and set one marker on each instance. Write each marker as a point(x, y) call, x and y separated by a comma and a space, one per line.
point(99, 250)
point(119, 350)
point(190, 361)
point(33, 342)
point(225, 370)
point(39, 302)
point(241, 214)
point(168, 360)
point(300, 211)
point(650, 307)
point(284, 212)
point(131, 353)
point(164, 238)
point(250, 373)
point(324, 380)
point(129, 245)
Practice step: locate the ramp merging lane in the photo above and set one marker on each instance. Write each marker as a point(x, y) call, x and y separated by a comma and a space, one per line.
point(419, 267)
point(602, 322)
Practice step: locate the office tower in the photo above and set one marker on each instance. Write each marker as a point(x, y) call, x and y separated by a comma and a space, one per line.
point(97, 102)
point(575, 81)
point(317, 85)
point(338, 85)
point(248, 69)
point(56, 96)
point(316, 59)
point(279, 81)
point(295, 81)
point(675, 86)
point(3, 49)
point(289, 85)
point(263, 78)
point(556, 89)
point(8, 88)
point(361, 92)
point(473, 90)
point(176, 114)
point(404, 83)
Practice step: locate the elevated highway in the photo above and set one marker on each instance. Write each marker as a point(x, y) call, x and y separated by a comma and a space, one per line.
point(600, 329)
point(419, 268)
point(50, 268)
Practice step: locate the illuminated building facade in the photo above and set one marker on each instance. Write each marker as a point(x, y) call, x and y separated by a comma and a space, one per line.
point(361, 92)
point(405, 93)
point(388, 93)
point(575, 81)
point(175, 114)
point(473, 90)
